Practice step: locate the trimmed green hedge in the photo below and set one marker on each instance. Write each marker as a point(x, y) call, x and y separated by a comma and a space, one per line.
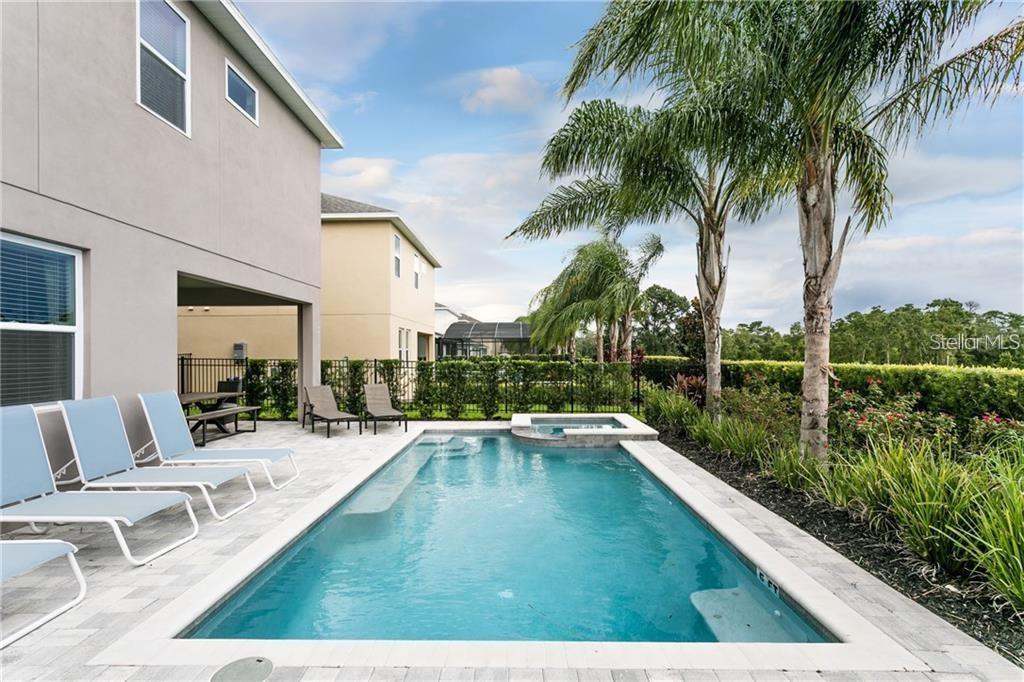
point(963, 392)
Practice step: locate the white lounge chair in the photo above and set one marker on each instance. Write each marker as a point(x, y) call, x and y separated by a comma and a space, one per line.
point(174, 444)
point(29, 495)
point(21, 556)
point(105, 459)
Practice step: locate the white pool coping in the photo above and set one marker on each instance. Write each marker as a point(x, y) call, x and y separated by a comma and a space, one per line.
point(630, 428)
point(862, 646)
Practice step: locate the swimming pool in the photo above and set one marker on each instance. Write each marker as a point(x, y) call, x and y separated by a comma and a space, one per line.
point(482, 537)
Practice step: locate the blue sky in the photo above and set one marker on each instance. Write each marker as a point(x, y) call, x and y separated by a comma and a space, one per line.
point(444, 108)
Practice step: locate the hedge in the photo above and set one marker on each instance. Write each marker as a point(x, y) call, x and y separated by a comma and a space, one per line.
point(963, 392)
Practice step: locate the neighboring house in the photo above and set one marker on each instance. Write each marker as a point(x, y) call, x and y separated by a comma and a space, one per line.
point(470, 338)
point(377, 296)
point(154, 155)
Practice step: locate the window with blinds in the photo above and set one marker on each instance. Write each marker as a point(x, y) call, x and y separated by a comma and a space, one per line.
point(163, 62)
point(40, 323)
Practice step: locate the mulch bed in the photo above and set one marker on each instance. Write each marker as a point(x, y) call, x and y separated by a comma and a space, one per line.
point(971, 606)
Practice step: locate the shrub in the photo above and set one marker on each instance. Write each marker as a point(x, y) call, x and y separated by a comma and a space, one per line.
point(521, 376)
point(256, 382)
point(791, 470)
point(932, 501)
point(488, 387)
point(859, 418)
point(962, 392)
point(282, 387)
point(745, 439)
point(354, 380)
point(996, 540)
point(990, 429)
point(693, 387)
point(777, 411)
point(389, 373)
point(453, 380)
point(553, 390)
point(425, 395)
point(668, 412)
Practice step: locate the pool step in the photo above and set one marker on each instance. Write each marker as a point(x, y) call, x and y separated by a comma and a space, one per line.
point(385, 489)
point(737, 615)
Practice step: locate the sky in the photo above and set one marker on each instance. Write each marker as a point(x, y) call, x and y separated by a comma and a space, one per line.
point(445, 108)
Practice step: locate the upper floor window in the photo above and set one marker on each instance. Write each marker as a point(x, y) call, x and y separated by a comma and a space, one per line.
point(164, 88)
point(40, 322)
point(241, 93)
point(398, 256)
point(416, 270)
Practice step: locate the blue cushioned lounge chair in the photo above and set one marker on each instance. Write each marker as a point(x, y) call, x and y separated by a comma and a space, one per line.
point(21, 556)
point(29, 495)
point(105, 459)
point(174, 440)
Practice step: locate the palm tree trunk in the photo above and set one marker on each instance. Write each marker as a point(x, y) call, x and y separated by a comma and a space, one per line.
point(711, 274)
point(572, 347)
point(599, 334)
point(613, 338)
point(817, 213)
point(628, 337)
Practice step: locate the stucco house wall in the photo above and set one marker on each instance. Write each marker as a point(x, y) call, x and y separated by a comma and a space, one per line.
point(86, 167)
point(363, 304)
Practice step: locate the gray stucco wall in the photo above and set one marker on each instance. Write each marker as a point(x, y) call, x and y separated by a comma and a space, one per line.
point(83, 165)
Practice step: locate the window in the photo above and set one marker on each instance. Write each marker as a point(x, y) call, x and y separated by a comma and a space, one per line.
point(398, 256)
point(40, 322)
point(164, 88)
point(407, 344)
point(416, 270)
point(401, 338)
point(241, 93)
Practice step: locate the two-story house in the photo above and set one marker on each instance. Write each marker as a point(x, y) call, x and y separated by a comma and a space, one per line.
point(155, 154)
point(377, 296)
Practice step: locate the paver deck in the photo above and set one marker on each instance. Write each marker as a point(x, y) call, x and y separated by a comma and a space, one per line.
point(120, 596)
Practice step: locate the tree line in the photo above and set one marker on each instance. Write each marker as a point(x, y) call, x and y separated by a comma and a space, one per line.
point(943, 332)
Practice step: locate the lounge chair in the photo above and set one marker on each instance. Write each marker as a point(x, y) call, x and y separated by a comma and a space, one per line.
point(21, 556)
point(29, 495)
point(321, 405)
point(105, 459)
point(174, 441)
point(378, 406)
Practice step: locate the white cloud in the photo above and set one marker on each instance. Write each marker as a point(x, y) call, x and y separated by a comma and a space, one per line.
point(505, 88)
point(356, 177)
point(328, 42)
point(917, 177)
point(331, 102)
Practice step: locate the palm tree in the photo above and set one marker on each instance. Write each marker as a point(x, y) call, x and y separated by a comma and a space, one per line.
point(833, 83)
point(635, 172)
point(600, 283)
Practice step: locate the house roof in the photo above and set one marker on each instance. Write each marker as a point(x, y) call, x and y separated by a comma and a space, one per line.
point(339, 209)
point(236, 29)
point(488, 330)
point(463, 317)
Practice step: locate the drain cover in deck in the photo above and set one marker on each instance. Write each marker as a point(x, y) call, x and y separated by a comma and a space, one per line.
point(253, 669)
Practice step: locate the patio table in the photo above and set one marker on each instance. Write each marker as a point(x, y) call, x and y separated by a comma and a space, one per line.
point(208, 402)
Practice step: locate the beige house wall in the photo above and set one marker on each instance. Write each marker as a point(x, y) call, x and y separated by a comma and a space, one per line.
point(363, 305)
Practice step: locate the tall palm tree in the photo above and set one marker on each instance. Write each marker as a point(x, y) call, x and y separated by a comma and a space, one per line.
point(835, 82)
point(635, 172)
point(600, 283)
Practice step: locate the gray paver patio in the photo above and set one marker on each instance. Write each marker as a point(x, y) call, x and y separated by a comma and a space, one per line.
point(121, 596)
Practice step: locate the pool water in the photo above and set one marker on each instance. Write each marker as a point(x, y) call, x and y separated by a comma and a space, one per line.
point(486, 538)
point(557, 427)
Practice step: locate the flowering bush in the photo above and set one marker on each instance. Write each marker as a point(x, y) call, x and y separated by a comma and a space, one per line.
point(990, 428)
point(860, 418)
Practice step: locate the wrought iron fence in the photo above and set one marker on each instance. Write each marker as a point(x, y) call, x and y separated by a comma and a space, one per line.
point(448, 389)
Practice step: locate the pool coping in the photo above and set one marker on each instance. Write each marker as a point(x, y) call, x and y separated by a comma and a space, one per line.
point(631, 429)
point(863, 646)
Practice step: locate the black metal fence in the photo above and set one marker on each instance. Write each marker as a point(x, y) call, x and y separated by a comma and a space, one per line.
point(448, 389)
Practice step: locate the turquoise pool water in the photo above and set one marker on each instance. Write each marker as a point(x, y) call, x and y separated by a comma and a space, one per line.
point(485, 538)
point(557, 427)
